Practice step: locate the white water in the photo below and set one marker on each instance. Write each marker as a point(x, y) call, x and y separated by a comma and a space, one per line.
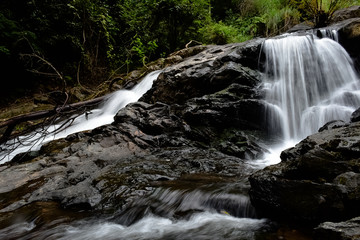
point(95, 118)
point(206, 225)
point(207, 215)
point(200, 225)
point(308, 82)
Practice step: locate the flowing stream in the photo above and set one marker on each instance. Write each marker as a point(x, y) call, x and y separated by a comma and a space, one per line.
point(90, 120)
point(308, 81)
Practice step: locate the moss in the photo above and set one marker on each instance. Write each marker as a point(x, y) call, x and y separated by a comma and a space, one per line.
point(17, 194)
point(342, 180)
point(55, 146)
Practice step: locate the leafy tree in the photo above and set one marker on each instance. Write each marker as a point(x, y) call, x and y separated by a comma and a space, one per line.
point(168, 23)
point(86, 41)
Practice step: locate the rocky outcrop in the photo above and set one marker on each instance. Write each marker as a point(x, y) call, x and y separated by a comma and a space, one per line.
point(347, 22)
point(208, 72)
point(349, 37)
point(317, 180)
point(201, 116)
point(348, 230)
point(346, 13)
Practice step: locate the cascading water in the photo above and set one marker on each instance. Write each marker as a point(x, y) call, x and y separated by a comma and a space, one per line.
point(95, 118)
point(308, 81)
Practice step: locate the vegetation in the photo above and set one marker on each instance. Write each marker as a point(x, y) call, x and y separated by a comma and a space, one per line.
point(62, 43)
point(320, 11)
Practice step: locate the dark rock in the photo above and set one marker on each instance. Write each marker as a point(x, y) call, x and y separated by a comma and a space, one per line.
point(301, 27)
point(348, 230)
point(355, 116)
point(208, 72)
point(24, 157)
point(349, 36)
point(189, 51)
point(203, 117)
point(332, 125)
point(317, 179)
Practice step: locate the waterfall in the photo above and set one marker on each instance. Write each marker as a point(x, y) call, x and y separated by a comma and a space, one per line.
point(90, 120)
point(308, 81)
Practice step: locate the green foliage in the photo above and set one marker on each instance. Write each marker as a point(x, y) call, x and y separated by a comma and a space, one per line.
point(221, 33)
point(278, 16)
point(89, 40)
point(142, 50)
point(250, 18)
point(170, 23)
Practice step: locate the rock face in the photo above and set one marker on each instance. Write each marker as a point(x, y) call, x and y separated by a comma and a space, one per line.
point(347, 13)
point(347, 22)
point(201, 116)
point(348, 230)
point(317, 180)
point(208, 72)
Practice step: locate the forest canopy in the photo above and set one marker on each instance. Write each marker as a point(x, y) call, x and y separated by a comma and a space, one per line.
point(70, 42)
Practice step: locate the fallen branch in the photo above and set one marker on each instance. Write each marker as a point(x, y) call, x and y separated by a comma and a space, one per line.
point(12, 122)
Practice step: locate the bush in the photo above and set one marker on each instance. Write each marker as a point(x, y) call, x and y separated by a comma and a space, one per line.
point(221, 33)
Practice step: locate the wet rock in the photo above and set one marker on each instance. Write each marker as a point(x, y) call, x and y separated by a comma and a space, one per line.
point(317, 179)
point(348, 230)
point(332, 125)
point(349, 35)
point(301, 27)
point(355, 116)
point(208, 72)
point(203, 117)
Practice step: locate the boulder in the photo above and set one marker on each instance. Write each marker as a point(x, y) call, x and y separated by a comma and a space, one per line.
point(349, 35)
point(208, 72)
point(347, 23)
point(355, 116)
point(347, 230)
point(317, 180)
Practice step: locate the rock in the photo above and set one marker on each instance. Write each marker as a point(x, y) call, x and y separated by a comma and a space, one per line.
point(355, 116)
point(189, 51)
point(208, 72)
point(348, 230)
point(301, 27)
point(201, 116)
point(349, 35)
point(316, 181)
point(346, 13)
point(332, 125)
